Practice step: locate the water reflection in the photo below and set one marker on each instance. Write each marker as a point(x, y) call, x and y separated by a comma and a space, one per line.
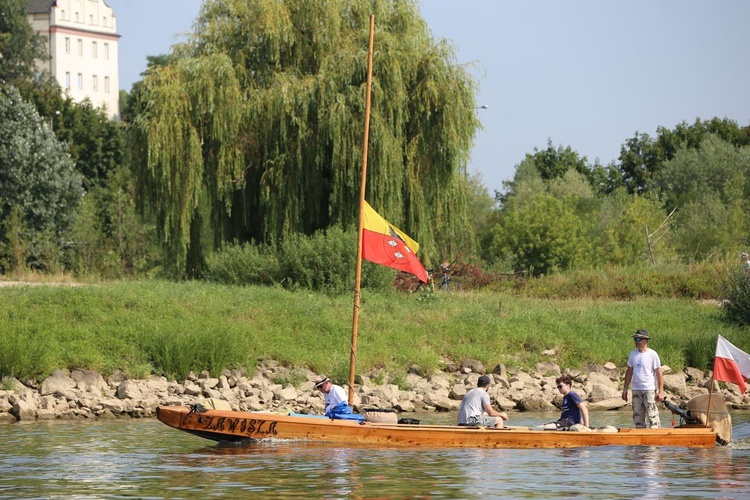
point(144, 459)
point(647, 476)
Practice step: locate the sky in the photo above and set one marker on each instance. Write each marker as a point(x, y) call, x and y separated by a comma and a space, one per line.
point(587, 74)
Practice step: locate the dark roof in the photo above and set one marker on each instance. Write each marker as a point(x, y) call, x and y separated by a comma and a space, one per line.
point(40, 6)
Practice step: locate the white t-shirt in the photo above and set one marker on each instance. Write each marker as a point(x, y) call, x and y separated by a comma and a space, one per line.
point(644, 365)
point(334, 396)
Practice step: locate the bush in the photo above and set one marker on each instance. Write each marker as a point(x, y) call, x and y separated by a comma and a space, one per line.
point(628, 282)
point(321, 262)
point(737, 296)
point(244, 264)
point(39, 188)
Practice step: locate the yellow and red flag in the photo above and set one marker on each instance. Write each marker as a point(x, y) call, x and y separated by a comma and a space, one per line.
point(385, 244)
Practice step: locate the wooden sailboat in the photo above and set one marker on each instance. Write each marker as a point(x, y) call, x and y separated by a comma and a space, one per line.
point(233, 426)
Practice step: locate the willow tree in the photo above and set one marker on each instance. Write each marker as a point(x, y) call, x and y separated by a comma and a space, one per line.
point(256, 125)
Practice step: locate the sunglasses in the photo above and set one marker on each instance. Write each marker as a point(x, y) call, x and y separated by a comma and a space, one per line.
point(638, 339)
point(559, 386)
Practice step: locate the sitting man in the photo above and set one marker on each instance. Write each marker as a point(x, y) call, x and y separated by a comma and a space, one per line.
point(574, 410)
point(332, 394)
point(475, 403)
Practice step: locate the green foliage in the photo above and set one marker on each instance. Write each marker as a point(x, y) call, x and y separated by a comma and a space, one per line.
point(174, 353)
point(702, 282)
point(709, 184)
point(541, 236)
point(244, 264)
point(558, 171)
point(553, 163)
point(19, 44)
point(479, 205)
point(705, 228)
point(714, 166)
point(293, 377)
point(260, 118)
point(38, 177)
point(168, 328)
point(26, 350)
point(622, 226)
point(700, 351)
point(95, 143)
point(324, 261)
point(13, 247)
point(642, 157)
point(737, 296)
point(109, 238)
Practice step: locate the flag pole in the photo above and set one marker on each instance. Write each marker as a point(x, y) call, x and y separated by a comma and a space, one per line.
point(710, 394)
point(360, 223)
point(711, 387)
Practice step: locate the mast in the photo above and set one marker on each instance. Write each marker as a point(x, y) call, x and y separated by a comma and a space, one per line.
point(358, 265)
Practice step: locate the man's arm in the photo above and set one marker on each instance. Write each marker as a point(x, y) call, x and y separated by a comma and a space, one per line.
point(628, 377)
point(584, 413)
point(494, 413)
point(659, 384)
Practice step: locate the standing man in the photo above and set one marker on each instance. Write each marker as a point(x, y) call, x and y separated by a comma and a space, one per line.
point(644, 370)
point(475, 403)
point(332, 394)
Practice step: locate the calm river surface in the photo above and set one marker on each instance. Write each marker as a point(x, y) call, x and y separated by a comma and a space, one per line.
point(146, 459)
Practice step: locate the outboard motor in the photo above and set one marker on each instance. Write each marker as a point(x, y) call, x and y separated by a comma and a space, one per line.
point(684, 414)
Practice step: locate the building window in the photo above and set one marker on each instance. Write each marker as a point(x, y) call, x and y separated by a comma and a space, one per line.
point(91, 19)
point(67, 45)
point(67, 80)
point(78, 17)
point(104, 21)
point(80, 81)
point(62, 14)
point(93, 50)
point(95, 83)
point(80, 47)
point(106, 51)
point(106, 84)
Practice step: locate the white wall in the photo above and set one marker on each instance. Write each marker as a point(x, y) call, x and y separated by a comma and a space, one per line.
point(83, 42)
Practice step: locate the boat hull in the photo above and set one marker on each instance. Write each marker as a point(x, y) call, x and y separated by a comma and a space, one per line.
point(233, 426)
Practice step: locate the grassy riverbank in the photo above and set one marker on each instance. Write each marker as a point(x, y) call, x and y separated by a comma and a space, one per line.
point(171, 328)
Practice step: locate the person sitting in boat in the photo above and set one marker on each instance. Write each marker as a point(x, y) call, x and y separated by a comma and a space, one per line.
point(475, 403)
point(574, 410)
point(333, 394)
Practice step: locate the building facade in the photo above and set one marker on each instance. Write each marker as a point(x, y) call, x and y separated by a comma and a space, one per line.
point(83, 45)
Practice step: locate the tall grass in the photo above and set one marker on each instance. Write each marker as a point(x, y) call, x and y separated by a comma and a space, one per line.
point(167, 328)
point(698, 281)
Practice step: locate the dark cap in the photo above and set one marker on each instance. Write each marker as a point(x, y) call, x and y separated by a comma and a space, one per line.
point(483, 381)
point(642, 334)
point(323, 380)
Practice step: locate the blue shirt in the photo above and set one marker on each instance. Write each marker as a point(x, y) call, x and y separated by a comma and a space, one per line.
point(570, 410)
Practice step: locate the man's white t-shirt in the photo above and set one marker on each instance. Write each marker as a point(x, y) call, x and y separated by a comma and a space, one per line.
point(644, 365)
point(334, 397)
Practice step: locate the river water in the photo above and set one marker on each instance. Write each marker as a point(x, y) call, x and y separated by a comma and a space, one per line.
point(131, 458)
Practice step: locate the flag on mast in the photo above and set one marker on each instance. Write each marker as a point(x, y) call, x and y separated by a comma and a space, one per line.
point(731, 364)
point(385, 244)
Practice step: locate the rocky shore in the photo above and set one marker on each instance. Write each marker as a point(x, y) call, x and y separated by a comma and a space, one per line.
point(83, 394)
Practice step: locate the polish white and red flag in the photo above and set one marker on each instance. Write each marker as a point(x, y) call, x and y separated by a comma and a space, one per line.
point(731, 364)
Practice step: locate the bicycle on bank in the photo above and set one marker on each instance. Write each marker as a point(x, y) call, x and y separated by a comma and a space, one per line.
point(446, 283)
